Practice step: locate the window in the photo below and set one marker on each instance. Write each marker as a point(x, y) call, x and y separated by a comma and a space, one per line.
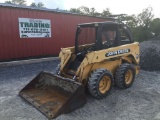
point(108, 37)
point(124, 36)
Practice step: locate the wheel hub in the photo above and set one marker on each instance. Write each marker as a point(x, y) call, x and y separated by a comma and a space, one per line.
point(104, 84)
point(128, 77)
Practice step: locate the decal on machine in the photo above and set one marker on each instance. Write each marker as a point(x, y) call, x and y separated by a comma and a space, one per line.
point(117, 52)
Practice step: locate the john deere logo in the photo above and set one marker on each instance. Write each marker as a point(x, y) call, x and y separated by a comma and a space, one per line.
point(117, 52)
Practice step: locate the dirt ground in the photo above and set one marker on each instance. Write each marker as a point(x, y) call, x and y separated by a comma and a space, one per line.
point(140, 102)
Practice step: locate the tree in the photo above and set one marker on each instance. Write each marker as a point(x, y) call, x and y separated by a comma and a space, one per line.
point(145, 18)
point(40, 5)
point(143, 26)
point(17, 2)
point(84, 10)
point(33, 4)
point(93, 12)
point(131, 21)
point(8, 2)
point(75, 10)
point(144, 21)
point(155, 27)
point(90, 11)
point(106, 12)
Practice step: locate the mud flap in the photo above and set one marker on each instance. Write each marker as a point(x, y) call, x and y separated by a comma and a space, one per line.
point(54, 95)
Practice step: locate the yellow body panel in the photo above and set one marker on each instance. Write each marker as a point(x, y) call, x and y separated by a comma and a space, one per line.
point(110, 59)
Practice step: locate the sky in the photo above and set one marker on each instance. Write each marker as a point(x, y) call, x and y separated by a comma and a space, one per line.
point(116, 6)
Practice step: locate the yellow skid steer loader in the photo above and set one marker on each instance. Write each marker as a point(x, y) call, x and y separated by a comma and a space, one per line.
point(104, 54)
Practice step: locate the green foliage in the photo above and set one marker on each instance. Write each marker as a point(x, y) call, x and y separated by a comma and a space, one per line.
point(90, 11)
point(84, 10)
point(155, 27)
point(17, 2)
point(143, 30)
point(141, 33)
point(33, 4)
point(143, 26)
point(106, 12)
point(23, 2)
point(8, 2)
point(40, 5)
point(129, 20)
point(74, 10)
point(145, 18)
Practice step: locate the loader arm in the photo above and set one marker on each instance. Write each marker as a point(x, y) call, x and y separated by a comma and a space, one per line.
point(64, 56)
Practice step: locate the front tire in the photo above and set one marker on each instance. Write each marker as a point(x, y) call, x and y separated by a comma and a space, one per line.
point(125, 76)
point(100, 83)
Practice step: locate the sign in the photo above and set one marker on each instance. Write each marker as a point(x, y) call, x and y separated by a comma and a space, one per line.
point(117, 52)
point(34, 28)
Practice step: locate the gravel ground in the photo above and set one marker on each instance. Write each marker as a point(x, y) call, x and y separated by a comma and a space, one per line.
point(150, 55)
point(140, 102)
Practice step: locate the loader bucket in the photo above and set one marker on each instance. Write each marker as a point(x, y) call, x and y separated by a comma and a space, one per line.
point(54, 95)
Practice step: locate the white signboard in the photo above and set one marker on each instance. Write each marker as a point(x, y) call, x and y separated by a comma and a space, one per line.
point(34, 28)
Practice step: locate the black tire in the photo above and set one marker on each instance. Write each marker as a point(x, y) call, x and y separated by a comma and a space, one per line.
point(121, 79)
point(57, 69)
point(96, 78)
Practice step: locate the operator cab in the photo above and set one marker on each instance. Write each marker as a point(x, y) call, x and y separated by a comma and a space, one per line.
point(100, 35)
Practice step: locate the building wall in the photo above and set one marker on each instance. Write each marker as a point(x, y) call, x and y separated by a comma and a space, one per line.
point(63, 28)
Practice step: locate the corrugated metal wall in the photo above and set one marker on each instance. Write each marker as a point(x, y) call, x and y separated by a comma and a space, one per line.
point(63, 28)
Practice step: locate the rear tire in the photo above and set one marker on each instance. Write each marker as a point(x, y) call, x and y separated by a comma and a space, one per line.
point(100, 83)
point(125, 75)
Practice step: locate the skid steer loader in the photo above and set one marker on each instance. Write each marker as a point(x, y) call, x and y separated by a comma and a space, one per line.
point(104, 54)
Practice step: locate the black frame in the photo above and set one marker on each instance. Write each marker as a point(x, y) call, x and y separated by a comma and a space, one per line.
point(99, 26)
